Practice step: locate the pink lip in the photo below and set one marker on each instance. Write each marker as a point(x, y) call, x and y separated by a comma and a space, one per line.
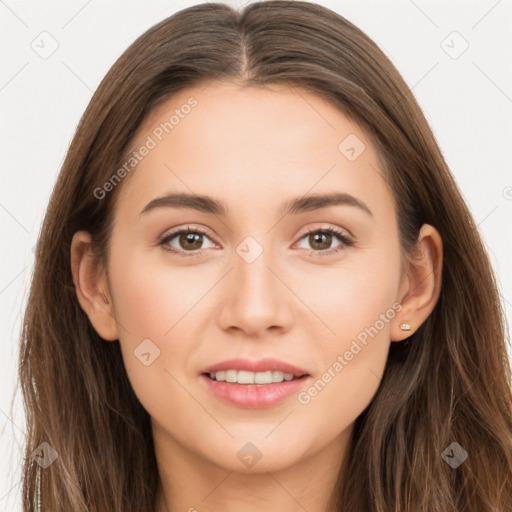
point(253, 396)
point(262, 365)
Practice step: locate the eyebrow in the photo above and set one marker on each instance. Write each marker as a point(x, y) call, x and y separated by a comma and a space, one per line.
point(208, 204)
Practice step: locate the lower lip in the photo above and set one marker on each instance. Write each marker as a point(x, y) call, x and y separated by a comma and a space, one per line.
point(252, 396)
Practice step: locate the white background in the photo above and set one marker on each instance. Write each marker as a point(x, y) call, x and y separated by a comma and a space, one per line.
point(467, 100)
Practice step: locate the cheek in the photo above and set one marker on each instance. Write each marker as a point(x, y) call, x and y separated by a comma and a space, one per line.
point(152, 296)
point(350, 297)
point(358, 305)
point(351, 369)
point(157, 306)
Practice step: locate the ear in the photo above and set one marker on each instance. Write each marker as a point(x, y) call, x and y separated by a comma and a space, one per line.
point(421, 286)
point(92, 288)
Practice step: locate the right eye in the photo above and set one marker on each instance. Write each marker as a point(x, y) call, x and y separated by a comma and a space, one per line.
point(186, 238)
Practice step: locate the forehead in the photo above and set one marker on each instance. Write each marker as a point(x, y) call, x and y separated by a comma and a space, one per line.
point(270, 143)
point(226, 113)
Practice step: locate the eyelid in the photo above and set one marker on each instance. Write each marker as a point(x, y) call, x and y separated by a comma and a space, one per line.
point(162, 240)
point(328, 227)
point(187, 227)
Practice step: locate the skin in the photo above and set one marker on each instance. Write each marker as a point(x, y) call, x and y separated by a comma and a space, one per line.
point(253, 148)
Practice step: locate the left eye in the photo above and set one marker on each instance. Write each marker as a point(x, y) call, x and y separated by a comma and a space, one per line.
point(322, 239)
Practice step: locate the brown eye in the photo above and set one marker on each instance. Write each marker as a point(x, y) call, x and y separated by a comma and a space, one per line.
point(320, 241)
point(185, 240)
point(190, 240)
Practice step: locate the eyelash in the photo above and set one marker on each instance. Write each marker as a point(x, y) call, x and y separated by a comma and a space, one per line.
point(345, 239)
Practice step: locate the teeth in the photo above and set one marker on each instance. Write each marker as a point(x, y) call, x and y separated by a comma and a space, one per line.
point(261, 377)
point(246, 377)
point(231, 375)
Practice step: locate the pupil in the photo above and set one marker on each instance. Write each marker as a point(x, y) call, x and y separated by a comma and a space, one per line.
point(321, 235)
point(191, 238)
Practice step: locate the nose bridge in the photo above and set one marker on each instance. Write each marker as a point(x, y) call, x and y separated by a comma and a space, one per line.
point(256, 299)
point(254, 282)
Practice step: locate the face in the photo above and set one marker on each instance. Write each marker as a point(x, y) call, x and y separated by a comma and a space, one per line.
point(315, 286)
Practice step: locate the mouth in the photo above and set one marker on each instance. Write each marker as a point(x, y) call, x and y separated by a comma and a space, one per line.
point(254, 384)
point(245, 377)
point(245, 389)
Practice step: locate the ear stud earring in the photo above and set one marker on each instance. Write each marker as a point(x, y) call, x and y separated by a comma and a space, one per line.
point(405, 327)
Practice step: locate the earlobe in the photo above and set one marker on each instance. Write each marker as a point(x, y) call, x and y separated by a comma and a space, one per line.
point(422, 285)
point(91, 287)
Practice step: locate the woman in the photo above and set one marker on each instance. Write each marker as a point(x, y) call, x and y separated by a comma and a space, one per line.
point(331, 340)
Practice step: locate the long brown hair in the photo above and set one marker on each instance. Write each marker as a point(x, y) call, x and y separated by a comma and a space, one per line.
point(452, 383)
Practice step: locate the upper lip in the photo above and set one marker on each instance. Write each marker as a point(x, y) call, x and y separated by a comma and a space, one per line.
point(260, 365)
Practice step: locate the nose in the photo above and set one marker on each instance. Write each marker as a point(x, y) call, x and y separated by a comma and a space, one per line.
point(255, 298)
